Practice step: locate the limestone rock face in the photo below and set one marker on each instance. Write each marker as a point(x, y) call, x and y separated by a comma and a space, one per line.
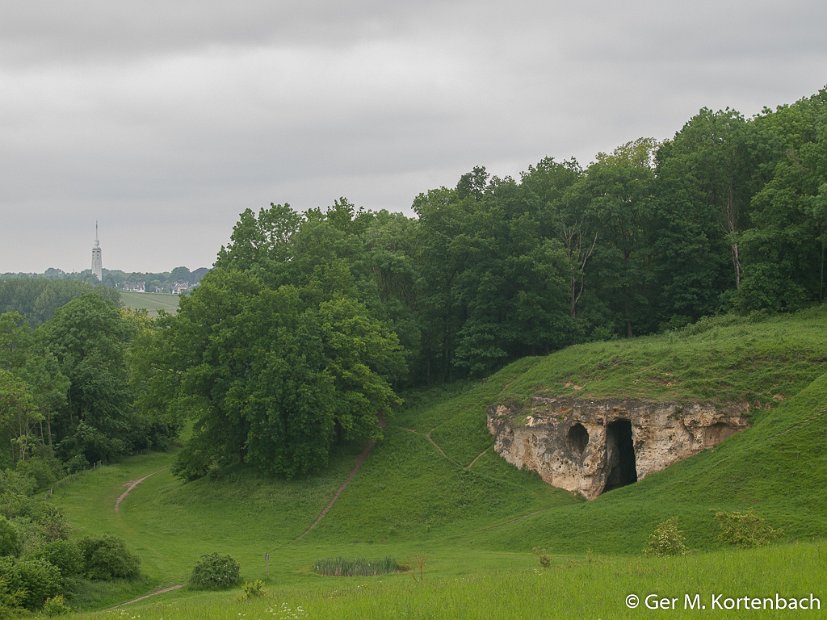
point(591, 446)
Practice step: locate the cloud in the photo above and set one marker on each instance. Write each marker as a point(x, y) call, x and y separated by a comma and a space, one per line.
point(155, 115)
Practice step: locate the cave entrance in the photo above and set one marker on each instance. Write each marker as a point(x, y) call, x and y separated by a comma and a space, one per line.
point(578, 439)
point(620, 455)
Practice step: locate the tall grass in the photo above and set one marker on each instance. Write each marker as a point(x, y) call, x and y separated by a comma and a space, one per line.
point(342, 567)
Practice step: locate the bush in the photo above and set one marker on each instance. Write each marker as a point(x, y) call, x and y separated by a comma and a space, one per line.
point(339, 567)
point(252, 589)
point(64, 554)
point(215, 572)
point(51, 523)
point(542, 556)
point(666, 539)
point(56, 606)
point(744, 529)
point(31, 581)
point(44, 470)
point(107, 558)
point(9, 538)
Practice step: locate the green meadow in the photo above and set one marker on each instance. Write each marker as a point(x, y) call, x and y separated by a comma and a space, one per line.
point(152, 302)
point(470, 528)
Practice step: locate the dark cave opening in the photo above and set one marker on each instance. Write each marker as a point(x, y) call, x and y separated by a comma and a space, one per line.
point(578, 439)
point(620, 455)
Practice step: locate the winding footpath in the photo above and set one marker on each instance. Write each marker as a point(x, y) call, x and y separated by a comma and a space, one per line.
point(360, 460)
point(130, 485)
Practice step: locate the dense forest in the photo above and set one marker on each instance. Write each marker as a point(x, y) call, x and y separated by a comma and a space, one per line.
point(309, 324)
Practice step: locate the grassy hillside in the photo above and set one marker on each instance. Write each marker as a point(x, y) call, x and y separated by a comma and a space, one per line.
point(434, 488)
point(153, 302)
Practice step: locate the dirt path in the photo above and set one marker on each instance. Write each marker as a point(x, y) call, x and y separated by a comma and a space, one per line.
point(476, 458)
point(360, 460)
point(129, 486)
point(177, 586)
point(435, 445)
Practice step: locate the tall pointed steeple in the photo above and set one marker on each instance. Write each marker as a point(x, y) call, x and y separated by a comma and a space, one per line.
point(97, 263)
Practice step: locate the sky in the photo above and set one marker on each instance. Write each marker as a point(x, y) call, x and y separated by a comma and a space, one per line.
point(165, 120)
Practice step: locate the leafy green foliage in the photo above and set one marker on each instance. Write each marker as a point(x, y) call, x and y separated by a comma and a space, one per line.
point(666, 539)
point(278, 365)
point(38, 299)
point(56, 606)
point(107, 558)
point(35, 580)
point(252, 589)
point(215, 571)
point(88, 338)
point(745, 529)
point(66, 555)
point(9, 538)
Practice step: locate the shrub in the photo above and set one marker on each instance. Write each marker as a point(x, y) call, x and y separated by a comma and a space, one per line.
point(15, 483)
point(666, 539)
point(339, 567)
point(56, 606)
point(252, 589)
point(65, 554)
point(215, 572)
point(542, 556)
point(107, 558)
point(51, 522)
point(44, 470)
point(745, 529)
point(9, 538)
point(30, 581)
point(11, 598)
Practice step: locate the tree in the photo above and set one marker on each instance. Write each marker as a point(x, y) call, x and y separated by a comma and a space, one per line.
point(88, 337)
point(24, 355)
point(784, 251)
point(262, 243)
point(274, 378)
point(617, 189)
point(548, 186)
point(18, 415)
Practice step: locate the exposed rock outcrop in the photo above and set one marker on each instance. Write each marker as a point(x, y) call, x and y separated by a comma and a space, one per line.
point(591, 446)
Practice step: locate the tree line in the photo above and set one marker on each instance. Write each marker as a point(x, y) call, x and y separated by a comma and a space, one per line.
point(163, 282)
point(309, 324)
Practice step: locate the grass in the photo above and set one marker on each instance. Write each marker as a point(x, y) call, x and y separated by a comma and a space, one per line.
point(434, 495)
point(346, 567)
point(572, 587)
point(152, 302)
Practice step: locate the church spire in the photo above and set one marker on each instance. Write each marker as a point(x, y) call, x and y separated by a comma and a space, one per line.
point(97, 263)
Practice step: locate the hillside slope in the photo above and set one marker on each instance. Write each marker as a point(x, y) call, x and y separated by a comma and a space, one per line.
point(444, 478)
point(434, 488)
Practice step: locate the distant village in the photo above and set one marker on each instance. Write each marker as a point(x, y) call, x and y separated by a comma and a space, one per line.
point(178, 281)
point(176, 288)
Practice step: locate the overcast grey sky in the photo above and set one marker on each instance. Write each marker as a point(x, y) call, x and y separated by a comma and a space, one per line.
point(164, 120)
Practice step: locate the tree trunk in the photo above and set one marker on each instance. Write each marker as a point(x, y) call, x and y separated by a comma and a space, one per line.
point(736, 263)
point(731, 229)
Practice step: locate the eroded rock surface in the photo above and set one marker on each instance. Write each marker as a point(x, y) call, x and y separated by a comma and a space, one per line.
point(590, 446)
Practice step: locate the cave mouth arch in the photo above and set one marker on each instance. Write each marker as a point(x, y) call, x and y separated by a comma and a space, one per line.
point(577, 438)
point(620, 455)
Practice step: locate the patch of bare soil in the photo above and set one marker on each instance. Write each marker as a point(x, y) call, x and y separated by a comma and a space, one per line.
point(129, 486)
